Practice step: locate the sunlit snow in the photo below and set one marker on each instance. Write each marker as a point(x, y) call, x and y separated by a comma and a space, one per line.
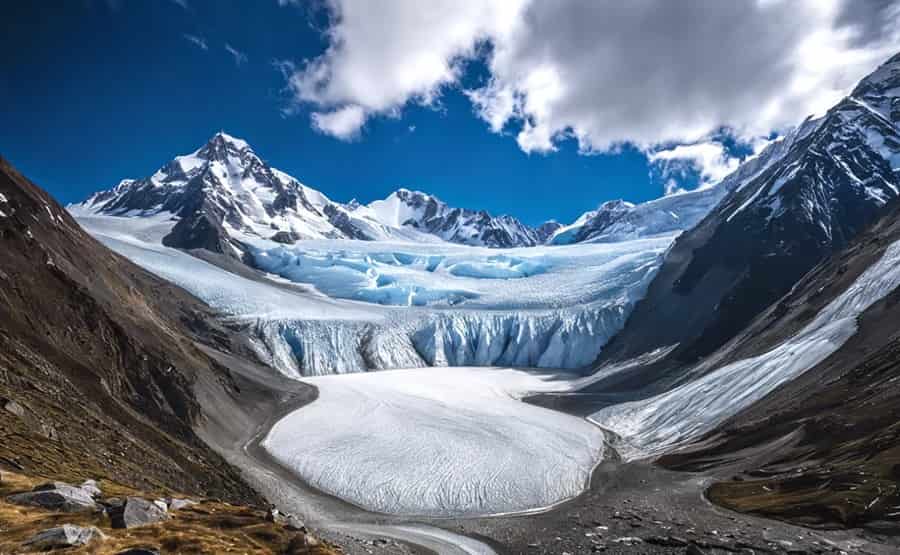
point(341, 306)
point(438, 441)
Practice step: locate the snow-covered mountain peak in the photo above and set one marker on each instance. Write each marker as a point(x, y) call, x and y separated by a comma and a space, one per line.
point(429, 214)
point(223, 190)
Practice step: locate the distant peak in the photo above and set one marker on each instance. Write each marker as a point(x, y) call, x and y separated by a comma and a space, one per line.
point(223, 137)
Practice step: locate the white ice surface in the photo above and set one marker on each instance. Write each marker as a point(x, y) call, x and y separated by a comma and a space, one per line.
point(654, 425)
point(138, 239)
point(339, 306)
point(438, 441)
point(445, 274)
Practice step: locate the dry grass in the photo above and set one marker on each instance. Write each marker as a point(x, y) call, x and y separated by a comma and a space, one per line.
point(208, 527)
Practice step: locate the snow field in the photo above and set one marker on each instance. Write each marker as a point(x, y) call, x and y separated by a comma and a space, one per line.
point(438, 442)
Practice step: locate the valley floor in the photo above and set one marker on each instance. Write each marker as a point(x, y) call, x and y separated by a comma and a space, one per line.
point(632, 507)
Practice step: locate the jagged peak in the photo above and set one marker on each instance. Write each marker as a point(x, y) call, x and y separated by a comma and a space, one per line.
point(224, 137)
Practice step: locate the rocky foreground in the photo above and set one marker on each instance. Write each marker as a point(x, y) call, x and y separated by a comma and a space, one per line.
point(105, 517)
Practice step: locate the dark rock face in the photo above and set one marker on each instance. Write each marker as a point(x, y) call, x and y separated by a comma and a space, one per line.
point(135, 511)
point(285, 237)
point(834, 181)
point(546, 230)
point(344, 223)
point(64, 536)
point(467, 227)
point(821, 450)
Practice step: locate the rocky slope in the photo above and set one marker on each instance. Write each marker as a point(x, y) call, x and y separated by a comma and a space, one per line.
point(818, 189)
point(96, 365)
point(824, 449)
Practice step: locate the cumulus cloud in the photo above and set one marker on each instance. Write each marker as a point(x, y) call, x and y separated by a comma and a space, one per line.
point(199, 42)
point(239, 57)
point(645, 72)
point(343, 123)
point(382, 55)
point(710, 160)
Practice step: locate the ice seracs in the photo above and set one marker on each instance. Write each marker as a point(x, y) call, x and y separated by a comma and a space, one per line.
point(359, 305)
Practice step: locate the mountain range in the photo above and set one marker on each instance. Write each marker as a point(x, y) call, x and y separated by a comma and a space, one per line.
point(746, 333)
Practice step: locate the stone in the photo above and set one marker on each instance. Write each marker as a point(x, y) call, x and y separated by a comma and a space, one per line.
point(694, 549)
point(287, 520)
point(91, 487)
point(177, 504)
point(67, 535)
point(57, 497)
point(293, 523)
point(13, 407)
point(139, 551)
point(135, 511)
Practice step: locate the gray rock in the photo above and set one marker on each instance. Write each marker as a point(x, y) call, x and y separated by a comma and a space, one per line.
point(91, 487)
point(293, 523)
point(67, 535)
point(57, 497)
point(177, 504)
point(14, 408)
point(135, 511)
point(51, 485)
point(287, 520)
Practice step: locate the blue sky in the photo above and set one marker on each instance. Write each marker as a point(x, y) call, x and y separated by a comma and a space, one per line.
point(97, 91)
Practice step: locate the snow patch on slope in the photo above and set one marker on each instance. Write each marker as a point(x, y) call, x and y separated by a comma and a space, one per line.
point(652, 426)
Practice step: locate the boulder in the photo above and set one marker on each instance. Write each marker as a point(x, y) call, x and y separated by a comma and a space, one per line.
point(13, 407)
point(91, 487)
point(287, 520)
point(177, 504)
point(56, 496)
point(135, 511)
point(67, 535)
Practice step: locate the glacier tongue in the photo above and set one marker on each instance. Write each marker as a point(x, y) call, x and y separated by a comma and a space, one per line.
point(425, 442)
point(437, 304)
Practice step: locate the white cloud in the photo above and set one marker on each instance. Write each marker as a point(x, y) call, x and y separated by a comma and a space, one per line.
point(343, 123)
point(197, 41)
point(710, 159)
point(645, 72)
point(382, 55)
point(239, 57)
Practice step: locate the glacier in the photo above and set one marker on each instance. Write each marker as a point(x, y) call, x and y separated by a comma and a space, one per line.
point(425, 442)
point(344, 306)
point(652, 426)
